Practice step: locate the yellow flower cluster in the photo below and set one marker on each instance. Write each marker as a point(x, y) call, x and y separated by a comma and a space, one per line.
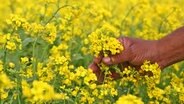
point(47, 31)
point(153, 70)
point(129, 99)
point(40, 92)
point(103, 42)
point(11, 42)
point(5, 85)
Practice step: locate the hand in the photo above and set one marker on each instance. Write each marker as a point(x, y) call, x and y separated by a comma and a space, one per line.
point(164, 52)
point(135, 52)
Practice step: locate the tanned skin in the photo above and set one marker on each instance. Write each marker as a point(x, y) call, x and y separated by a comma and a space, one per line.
point(165, 52)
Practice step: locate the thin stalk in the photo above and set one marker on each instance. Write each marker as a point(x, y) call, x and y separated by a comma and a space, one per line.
point(55, 13)
point(34, 59)
point(128, 13)
point(165, 19)
point(4, 58)
point(18, 88)
point(44, 52)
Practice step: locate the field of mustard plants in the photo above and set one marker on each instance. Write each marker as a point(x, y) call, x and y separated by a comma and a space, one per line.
point(46, 47)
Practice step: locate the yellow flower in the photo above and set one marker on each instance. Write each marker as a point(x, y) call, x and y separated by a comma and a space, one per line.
point(1, 66)
point(50, 33)
point(3, 39)
point(129, 99)
point(5, 84)
point(24, 60)
point(11, 65)
point(11, 45)
point(41, 91)
point(4, 94)
point(92, 86)
point(26, 89)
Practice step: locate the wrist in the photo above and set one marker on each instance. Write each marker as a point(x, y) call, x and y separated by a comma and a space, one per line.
point(157, 53)
point(160, 52)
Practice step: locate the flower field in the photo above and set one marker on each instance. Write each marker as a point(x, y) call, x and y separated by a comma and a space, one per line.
point(46, 47)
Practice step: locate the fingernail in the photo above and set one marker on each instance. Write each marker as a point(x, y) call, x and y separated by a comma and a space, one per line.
point(107, 60)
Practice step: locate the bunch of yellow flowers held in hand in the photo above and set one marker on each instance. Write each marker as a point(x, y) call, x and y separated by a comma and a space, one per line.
point(46, 47)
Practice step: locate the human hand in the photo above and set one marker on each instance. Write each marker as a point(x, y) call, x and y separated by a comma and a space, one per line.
point(165, 52)
point(135, 52)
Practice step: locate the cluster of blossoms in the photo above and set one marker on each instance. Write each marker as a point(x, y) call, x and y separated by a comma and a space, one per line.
point(6, 85)
point(129, 99)
point(48, 31)
point(10, 42)
point(102, 41)
point(47, 45)
point(5, 82)
point(40, 92)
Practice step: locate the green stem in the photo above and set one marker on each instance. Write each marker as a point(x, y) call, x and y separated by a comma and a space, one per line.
point(19, 99)
point(19, 88)
point(45, 10)
point(55, 13)
point(105, 76)
point(4, 57)
point(44, 52)
point(165, 19)
point(11, 101)
point(34, 59)
point(128, 13)
point(12, 3)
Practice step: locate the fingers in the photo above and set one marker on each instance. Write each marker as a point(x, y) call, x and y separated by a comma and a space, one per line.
point(117, 59)
point(126, 41)
point(94, 67)
point(98, 59)
point(121, 40)
point(124, 56)
point(96, 70)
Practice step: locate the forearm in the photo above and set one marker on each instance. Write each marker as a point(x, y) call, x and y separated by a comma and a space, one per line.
point(171, 48)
